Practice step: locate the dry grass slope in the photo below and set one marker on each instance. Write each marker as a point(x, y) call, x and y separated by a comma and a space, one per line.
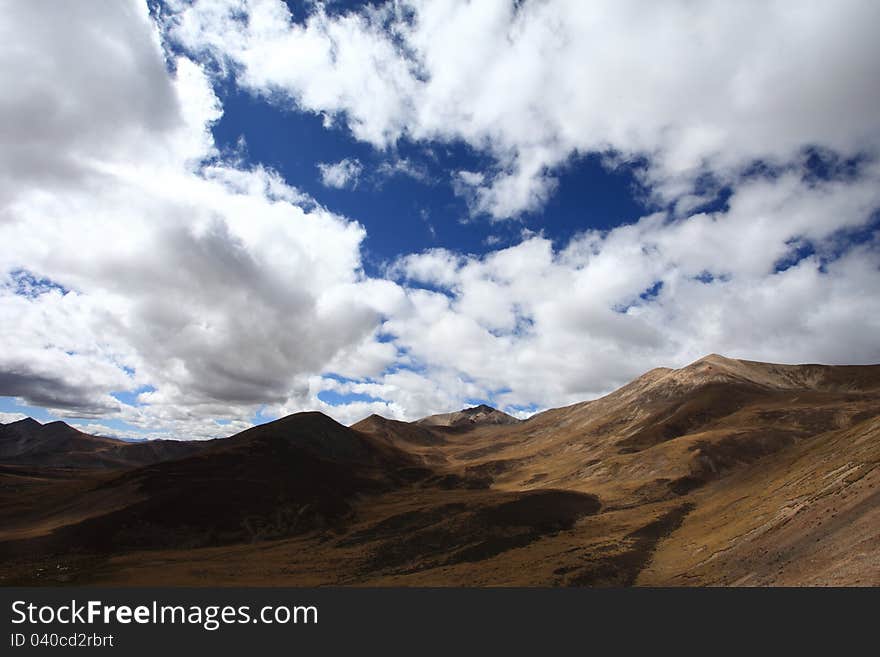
point(724, 472)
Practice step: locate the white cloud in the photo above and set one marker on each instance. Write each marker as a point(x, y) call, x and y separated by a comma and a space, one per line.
point(140, 260)
point(403, 167)
point(214, 284)
point(6, 418)
point(204, 429)
point(342, 174)
point(692, 87)
point(556, 326)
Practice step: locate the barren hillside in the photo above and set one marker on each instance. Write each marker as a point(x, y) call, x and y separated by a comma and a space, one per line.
point(722, 472)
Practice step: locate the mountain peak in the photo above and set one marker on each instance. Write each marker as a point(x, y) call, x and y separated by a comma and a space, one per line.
point(476, 415)
point(311, 431)
point(715, 357)
point(27, 422)
point(482, 408)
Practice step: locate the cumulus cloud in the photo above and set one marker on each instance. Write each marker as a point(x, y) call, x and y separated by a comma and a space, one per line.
point(66, 104)
point(342, 174)
point(141, 260)
point(535, 325)
point(688, 87)
point(142, 265)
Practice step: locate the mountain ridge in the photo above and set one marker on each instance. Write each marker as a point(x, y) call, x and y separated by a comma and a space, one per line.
point(57, 444)
point(724, 471)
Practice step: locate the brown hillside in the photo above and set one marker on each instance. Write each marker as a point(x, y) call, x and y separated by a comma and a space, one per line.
point(722, 472)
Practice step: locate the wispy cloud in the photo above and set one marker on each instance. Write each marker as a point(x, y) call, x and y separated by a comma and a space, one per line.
point(341, 175)
point(403, 167)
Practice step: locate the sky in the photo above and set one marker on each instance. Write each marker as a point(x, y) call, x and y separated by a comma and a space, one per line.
point(216, 213)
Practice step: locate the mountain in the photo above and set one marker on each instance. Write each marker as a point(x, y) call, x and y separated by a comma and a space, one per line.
point(722, 472)
point(468, 417)
point(276, 479)
point(672, 430)
point(399, 433)
point(57, 444)
point(27, 436)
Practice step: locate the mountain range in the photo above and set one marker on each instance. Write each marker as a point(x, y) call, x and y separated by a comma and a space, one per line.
point(723, 472)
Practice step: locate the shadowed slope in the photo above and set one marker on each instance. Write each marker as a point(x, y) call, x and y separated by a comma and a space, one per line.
point(285, 477)
point(401, 434)
point(57, 444)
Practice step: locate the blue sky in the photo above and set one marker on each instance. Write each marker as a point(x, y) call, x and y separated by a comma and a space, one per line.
point(404, 214)
point(249, 209)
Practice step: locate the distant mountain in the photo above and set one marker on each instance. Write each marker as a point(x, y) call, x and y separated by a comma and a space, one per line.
point(721, 472)
point(400, 434)
point(281, 478)
point(57, 444)
point(478, 415)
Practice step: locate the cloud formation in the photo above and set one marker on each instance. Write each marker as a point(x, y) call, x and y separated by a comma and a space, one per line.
point(140, 260)
point(150, 263)
point(545, 326)
point(688, 88)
